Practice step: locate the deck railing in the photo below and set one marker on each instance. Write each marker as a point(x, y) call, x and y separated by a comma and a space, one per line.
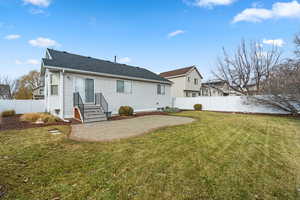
point(77, 100)
point(100, 100)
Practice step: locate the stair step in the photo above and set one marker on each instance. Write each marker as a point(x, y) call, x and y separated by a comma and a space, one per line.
point(95, 120)
point(94, 116)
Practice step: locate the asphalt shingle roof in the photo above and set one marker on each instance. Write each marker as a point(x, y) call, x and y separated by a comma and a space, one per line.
point(76, 62)
point(176, 72)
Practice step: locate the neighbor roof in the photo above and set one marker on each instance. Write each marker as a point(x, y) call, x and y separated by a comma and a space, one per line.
point(5, 92)
point(178, 72)
point(70, 61)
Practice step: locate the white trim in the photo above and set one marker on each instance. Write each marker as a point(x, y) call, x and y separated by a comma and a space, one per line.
point(106, 75)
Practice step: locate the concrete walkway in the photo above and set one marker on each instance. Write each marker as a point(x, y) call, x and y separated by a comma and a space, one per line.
point(112, 130)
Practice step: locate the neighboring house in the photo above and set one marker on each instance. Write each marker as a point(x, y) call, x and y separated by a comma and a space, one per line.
point(88, 88)
point(5, 92)
point(38, 93)
point(215, 88)
point(221, 88)
point(186, 81)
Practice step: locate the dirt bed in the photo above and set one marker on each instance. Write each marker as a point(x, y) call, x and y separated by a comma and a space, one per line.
point(14, 122)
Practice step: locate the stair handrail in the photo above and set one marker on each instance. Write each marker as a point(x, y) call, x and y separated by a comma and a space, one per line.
point(100, 100)
point(77, 101)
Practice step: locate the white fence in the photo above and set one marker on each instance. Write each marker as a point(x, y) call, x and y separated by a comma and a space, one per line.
point(224, 104)
point(22, 106)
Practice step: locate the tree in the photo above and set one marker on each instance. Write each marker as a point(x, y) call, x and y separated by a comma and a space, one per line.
point(12, 83)
point(282, 89)
point(250, 65)
point(262, 76)
point(26, 85)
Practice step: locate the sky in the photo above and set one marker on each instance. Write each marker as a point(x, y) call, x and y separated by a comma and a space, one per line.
point(159, 35)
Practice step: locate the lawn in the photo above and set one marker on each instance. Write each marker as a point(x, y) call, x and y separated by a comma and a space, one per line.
point(220, 156)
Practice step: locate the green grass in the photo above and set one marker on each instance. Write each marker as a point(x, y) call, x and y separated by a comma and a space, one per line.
point(220, 156)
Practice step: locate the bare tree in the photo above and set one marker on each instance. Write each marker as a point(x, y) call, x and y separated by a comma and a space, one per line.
point(12, 83)
point(250, 65)
point(282, 89)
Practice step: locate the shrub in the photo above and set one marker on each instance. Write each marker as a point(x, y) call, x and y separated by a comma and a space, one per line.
point(45, 117)
point(198, 106)
point(8, 113)
point(125, 110)
point(171, 110)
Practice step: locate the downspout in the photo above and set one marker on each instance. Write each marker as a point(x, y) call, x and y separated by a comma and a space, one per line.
point(61, 92)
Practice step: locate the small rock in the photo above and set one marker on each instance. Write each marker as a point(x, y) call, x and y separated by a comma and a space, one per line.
point(39, 121)
point(54, 131)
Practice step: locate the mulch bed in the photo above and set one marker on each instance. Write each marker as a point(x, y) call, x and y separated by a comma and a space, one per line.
point(14, 123)
point(140, 114)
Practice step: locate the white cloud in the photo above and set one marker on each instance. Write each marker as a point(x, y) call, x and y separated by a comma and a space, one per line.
point(279, 10)
point(33, 62)
point(43, 42)
point(212, 3)
point(28, 62)
point(124, 60)
point(276, 42)
point(12, 37)
point(18, 62)
point(40, 3)
point(253, 15)
point(175, 33)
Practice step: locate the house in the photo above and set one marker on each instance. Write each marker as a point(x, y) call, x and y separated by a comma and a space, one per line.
point(5, 92)
point(38, 93)
point(215, 88)
point(221, 88)
point(89, 88)
point(186, 81)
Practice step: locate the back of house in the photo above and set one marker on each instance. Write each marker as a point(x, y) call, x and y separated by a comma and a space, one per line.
point(72, 81)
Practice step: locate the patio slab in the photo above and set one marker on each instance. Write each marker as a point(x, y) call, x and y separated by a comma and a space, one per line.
point(113, 130)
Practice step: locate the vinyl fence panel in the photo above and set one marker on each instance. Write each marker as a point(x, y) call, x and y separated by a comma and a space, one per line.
point(224, 104)
point(23, 106)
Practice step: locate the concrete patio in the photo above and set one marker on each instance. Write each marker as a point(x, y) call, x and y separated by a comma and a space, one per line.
point(112, 130)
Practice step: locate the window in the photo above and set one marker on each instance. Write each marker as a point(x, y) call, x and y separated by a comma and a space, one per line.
point(54, 84)
point(196, 81)
point(194, 95)
point(124, 86)
point(161, 89)
point(189, 79)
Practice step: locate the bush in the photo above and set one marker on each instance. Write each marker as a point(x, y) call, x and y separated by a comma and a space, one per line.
point(125, 111)
point(8, 113)
point(171, 110)
point(44, 117)
point(47, 118)
point(198, 106)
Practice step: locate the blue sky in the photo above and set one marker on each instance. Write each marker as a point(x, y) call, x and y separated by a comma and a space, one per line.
point(157, 34)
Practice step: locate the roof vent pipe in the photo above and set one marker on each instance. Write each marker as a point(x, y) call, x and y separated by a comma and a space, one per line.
point(115, 59)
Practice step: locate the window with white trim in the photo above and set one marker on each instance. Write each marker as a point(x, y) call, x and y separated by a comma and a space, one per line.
point(161, 89)
point(54, 79)
point(124, 86)
point(196, 81)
